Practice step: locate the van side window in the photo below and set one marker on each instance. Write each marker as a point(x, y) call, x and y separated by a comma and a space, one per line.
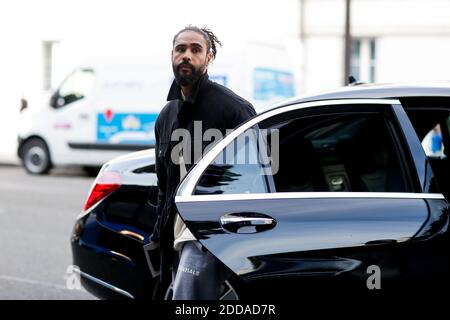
point(75, 87)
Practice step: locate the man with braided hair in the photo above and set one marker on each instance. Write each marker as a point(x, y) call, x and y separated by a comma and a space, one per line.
point(194, 103)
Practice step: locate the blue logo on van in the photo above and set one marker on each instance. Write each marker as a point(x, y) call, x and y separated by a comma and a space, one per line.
point(220, 79)
point(126, 128)
point(271, 83)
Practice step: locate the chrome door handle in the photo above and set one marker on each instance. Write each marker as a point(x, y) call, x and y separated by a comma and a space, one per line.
point(247, 222)
point(381, 241)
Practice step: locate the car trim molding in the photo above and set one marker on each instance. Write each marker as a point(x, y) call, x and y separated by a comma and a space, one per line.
point(308, 195)
point(106, 285)
point(188, 185)
point(109, 146)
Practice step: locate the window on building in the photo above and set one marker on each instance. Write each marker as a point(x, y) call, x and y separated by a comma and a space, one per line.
point(355, 60)
point(363, 59)
point(372, 60)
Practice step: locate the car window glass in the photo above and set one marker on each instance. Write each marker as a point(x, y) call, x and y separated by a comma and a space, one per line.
point(237, 169)
point(432, 125)
point(336, 152)
point(77, 86)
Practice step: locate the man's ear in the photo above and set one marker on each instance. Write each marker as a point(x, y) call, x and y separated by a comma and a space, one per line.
point(209, 57)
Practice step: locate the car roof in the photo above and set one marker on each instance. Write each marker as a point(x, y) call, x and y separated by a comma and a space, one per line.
point(375, 91)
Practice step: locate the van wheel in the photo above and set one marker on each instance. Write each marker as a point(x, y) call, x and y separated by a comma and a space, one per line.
point(36, 157)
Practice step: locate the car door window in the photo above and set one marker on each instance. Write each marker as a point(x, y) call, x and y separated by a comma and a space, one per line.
point(316, 153)
point(237, 169)
point(337, 152)
point(431, 122)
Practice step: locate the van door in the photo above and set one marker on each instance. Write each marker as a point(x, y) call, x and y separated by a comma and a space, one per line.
point(74, 124)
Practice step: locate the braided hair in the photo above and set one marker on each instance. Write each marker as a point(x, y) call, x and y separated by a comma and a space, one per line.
point(210, 37)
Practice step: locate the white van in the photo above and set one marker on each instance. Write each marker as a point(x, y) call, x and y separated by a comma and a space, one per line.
point(98, 112)
point(103, 110)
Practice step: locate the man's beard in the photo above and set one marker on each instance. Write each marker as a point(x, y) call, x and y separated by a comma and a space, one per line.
point(189, 79)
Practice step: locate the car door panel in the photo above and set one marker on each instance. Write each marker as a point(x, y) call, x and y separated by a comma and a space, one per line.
point(302, 225)
point(321, 233)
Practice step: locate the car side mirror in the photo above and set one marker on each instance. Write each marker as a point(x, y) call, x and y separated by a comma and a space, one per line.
point(23, 104)
point(56, 101)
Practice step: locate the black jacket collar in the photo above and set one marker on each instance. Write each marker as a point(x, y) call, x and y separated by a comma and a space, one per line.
point(175, 89)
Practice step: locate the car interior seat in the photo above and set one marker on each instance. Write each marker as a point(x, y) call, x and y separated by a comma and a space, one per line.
point(300, 169)
point(370, 164)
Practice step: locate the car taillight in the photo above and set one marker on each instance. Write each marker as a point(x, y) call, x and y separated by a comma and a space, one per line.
point(105, 184)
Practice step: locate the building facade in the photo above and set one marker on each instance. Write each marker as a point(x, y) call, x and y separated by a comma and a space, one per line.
point(392, 41)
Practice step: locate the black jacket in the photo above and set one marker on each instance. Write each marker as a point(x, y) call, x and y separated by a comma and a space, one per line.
point(216, 107)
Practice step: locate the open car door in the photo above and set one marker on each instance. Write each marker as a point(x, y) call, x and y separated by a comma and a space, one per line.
point(319, 191)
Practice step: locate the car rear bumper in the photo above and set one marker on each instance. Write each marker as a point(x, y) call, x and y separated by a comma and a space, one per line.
point(111, 265)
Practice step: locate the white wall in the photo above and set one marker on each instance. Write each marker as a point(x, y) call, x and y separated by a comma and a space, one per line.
point(413, 59)
point(323, 63)
point(377, 17)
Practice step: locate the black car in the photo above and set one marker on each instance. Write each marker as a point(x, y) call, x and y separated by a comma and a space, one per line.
point(341, 186)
